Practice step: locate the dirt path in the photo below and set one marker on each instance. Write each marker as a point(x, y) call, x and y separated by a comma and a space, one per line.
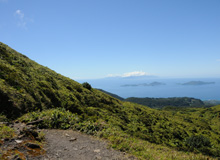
point(59, 145)
point(72, 145)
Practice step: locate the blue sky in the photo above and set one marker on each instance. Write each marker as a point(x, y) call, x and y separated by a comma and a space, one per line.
point(85, 39)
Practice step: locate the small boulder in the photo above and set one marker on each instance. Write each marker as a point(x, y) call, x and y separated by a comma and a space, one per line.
point(73, 139)
point(18, 141)
point(32, 145)
point(97, 150)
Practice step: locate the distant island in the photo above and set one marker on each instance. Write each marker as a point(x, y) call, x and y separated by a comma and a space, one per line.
point(144, 84)
point(196, 83)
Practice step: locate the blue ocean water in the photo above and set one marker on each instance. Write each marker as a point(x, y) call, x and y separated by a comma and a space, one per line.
point(171, 87)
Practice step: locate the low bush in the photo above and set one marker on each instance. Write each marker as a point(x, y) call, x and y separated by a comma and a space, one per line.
point(6, 132)
point(52, 118)
point(87, 85)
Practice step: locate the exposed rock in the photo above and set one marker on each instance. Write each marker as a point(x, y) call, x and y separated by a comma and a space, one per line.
point(97, 150)
point(98, 157)
point(75, 149)
point(30, 132)
point(21, 136)
point(6, 139)
point(35, 122)
point(32, 145)
point(18, 141)
point(73, 139)
point(17, 148)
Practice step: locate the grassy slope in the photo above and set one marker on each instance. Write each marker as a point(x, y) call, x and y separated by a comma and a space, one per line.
point(27, 86)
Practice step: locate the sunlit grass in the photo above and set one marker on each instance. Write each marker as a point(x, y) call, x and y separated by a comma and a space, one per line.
point(117, 138)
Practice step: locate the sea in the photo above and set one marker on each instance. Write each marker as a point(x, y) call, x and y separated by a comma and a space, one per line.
point(159, 87)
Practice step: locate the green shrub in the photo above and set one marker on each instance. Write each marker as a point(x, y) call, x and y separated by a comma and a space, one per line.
point(52, 118)
point(3, 118)
point(199, 143)
point(6, 132)
point(91, 127)
point(87, 85)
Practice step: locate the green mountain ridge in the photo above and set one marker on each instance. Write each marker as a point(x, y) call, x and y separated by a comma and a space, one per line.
point(167, 102)
point(160, 103)
point(27, 86)
point(32, 92)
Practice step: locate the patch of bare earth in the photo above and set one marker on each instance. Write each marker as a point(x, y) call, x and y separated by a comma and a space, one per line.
point(72, 145)
point(58, 145)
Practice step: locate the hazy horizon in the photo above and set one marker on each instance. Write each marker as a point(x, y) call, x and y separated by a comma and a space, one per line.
point(201, 88)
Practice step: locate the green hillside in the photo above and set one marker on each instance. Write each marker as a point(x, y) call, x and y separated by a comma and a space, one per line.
point(27, 86)
point(167, 102)
point(29, 91)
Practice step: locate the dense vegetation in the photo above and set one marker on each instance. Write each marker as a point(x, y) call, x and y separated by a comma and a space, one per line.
point(166, 102)
point(27, 87)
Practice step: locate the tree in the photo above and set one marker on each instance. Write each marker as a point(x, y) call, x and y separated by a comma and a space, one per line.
point(87, 85)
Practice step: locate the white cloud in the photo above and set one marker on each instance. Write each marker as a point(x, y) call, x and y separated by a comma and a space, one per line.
point(135, 74)
point(20, 14)
point(130, 74)
point(22, 20)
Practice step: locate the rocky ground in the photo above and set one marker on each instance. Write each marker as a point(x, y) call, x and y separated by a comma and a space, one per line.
point(58, 145)
point(26, 143)
point(69, 145)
